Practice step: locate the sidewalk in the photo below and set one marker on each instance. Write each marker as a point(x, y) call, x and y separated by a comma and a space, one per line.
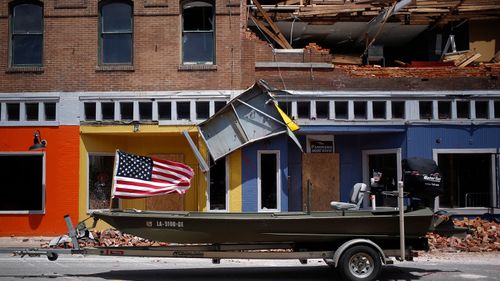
point(24, 242)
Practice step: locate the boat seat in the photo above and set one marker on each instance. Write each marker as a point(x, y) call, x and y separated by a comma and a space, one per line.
point(355, 198)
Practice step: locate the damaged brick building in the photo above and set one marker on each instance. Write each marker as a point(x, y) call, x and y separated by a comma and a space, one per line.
point(369, 82)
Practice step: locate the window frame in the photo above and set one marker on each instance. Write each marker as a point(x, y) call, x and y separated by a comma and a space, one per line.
point(43, 183)
point(12, 6)
point(259, 180)
point(209, 205)
point(100, 32)
point(212, 31)
point(87, 193)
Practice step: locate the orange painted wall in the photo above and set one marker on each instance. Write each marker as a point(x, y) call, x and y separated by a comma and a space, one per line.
point(61, 190)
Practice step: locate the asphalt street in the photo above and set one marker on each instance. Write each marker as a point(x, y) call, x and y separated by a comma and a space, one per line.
point(152, 269)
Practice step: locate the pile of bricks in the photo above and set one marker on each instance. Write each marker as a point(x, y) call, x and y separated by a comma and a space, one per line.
point(484, 237)
point(115, 238)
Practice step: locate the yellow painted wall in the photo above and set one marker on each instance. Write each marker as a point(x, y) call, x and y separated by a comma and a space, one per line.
point(150, 139)
point(235, 188)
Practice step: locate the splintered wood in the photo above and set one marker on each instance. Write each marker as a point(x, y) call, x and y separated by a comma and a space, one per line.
point(485, 237)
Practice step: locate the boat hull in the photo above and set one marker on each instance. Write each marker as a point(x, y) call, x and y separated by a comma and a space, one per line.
point(228, 228)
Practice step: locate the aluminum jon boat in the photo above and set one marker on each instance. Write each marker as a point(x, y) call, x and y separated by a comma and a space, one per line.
point(292, 227)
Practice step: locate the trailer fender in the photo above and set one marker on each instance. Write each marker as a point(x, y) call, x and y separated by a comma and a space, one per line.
point(340, 250)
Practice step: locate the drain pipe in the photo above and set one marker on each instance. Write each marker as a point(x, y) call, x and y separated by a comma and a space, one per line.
point(401, 220)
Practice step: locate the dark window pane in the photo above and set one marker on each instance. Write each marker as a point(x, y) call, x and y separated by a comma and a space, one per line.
point(27, 49)
point(425, 108)
point(183, 110)
point(497, 109)
point(304, 109)
point(398, 109)
point(198, 47)
point(146, 110)
point(463, 109)
point(322, 109)
point(444, 109)
point(341, 110)
point(482, 109)
point(116, 17)
point(379, 110)
point(202, 109)
point(100, 179)
point(219, 104)
point(27, 18)
point(268, 178)
point(13, 111)
point(24, 175)
point(360, 110)
point(127, 110)
point(90, 111)
point(50, 111)
point(198, 16)
point(218, 184)
point(117, 48)
point(108, 110)
point(286, 106)
point(31, 111)
point(164, 111)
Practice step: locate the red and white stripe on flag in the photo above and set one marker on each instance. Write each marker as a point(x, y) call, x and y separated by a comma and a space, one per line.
point(141, 176)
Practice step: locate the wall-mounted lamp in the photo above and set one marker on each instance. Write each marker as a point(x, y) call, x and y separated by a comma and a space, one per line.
point(38, 143)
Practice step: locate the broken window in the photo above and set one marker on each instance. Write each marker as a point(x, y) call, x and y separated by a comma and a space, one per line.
point(444, 109)
point(202, 109)
point(218, 186)
point(100, 179)
point(26, 38)
point(497, 109)
point(115, 32)
point(25, 175)
point(31, 111)
point(379, 109)
point(50, 111)
point(482, 111)
point(322, 109)
point(183, 110)
point(198, 32)
point(90, 111)
point(303, 109)
point(269, 181)
point(13, 111)
point(398, 110)
point(165, 110)
point(463, 109)
point(425, 109)
point(341, 110)
point(108, 110)
point(146, 111)
point(126, 110)
point(360, 110)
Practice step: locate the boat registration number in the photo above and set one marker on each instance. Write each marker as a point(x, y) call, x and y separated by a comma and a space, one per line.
point(165, 224)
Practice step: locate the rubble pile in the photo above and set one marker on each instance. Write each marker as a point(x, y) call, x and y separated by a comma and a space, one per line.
point(115, 238)
point(484, 237)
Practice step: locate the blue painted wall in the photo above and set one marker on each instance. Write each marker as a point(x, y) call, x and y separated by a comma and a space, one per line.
point(250, 171)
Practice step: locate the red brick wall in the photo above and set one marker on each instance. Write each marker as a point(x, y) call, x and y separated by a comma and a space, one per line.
point(70, 51)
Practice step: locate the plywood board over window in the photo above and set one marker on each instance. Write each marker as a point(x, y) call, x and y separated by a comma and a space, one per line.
point(322, 169)
point(168, 202)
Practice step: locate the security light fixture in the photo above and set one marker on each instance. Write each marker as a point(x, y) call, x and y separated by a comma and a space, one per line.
point(38, 143)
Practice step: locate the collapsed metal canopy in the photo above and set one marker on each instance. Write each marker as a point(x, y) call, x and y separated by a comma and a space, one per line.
point(247, 118)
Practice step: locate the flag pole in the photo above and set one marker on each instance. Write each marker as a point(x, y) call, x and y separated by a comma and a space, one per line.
point(113, 181)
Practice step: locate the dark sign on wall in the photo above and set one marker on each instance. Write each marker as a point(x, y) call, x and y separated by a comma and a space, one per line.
point(321, 146)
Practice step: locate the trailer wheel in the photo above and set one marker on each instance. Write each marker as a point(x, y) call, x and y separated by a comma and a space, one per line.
point(52, 256)
point(359, 263)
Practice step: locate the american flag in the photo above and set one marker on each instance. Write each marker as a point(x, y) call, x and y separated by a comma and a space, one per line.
point(140, 176)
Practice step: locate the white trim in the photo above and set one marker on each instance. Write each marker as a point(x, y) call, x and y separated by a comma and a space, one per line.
point(44, 188)
point(278, 181)
point(492, 151)
point(226, 168)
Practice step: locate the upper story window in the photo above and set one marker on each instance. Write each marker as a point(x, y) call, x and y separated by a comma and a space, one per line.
point(26, 33)
point(198, 24)
point(115, 32)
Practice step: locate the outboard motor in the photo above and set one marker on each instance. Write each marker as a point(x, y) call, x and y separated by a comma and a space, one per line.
point(422, 179)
